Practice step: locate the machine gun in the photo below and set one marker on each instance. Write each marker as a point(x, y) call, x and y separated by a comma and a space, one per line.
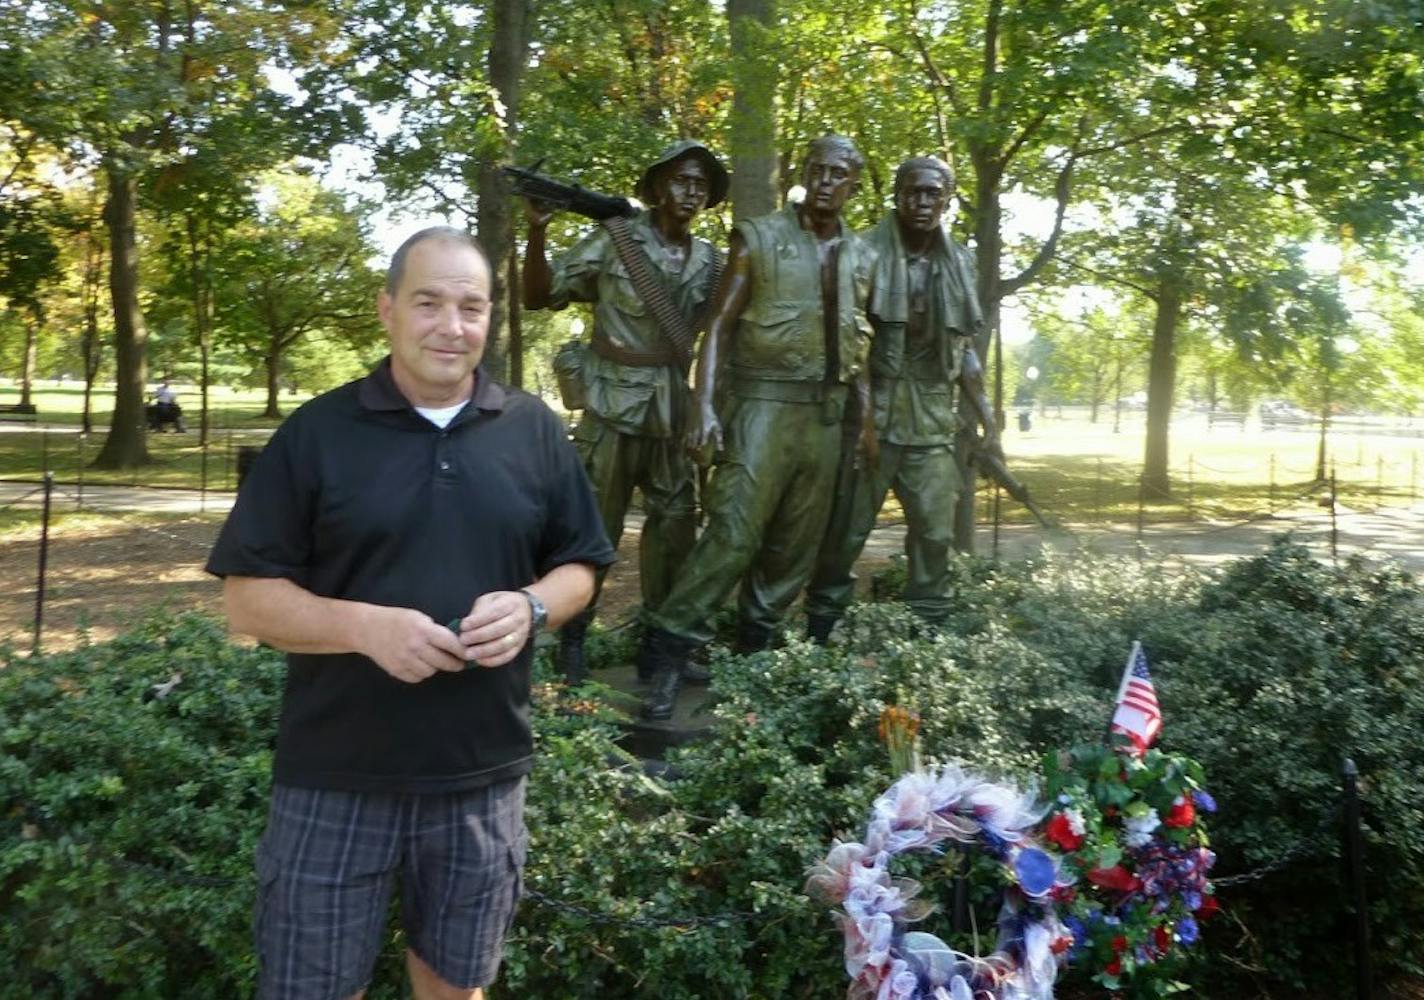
point(529, 183)
point(994, 468)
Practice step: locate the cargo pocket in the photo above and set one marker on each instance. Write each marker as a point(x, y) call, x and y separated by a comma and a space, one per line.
point(621, 402)
point(269, 868)
point(518, 855)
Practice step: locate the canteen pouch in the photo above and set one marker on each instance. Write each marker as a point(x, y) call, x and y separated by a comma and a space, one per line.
point(569, 363)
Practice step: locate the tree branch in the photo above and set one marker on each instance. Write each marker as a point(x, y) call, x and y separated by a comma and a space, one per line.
point(937, 78)
point(1062, 191)
point(1116, 279)
point(1140, 137)
point(1023, 137)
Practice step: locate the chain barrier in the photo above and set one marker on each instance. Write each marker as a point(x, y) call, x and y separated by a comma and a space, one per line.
point(22, 498)
point(654, 921)
point(1298, 849)
point(649, 922)
point(642, 923)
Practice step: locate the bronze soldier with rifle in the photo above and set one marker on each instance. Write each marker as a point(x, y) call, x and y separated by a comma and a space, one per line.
point(649, 279)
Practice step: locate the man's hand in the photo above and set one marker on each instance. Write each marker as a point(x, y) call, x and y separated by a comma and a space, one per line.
point(497, 628)
point(409, 645)
point(539, 213)
point(704, 435)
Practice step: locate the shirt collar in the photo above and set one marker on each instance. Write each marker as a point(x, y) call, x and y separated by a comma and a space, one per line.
point(378, 390)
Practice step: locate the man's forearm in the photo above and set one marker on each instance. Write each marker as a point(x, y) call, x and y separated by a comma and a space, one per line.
point(538, 278)
point(565, 591)
point(290, 618)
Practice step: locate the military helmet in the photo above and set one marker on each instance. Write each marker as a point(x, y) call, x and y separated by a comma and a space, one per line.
point(717, 178)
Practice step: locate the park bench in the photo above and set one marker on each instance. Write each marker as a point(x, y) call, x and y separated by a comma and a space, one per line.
point(18, 411)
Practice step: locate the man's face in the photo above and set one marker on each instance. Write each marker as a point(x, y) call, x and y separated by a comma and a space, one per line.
point(921, 199)
point(437, 320)
point(682, 189)
point(830, 179)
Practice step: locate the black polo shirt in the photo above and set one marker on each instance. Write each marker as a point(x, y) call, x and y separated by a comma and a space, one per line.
point(359, 497)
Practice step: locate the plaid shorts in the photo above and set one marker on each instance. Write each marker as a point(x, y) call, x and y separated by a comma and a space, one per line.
point(327, 864)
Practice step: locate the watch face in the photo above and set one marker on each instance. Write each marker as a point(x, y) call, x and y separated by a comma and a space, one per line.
point(536, 607)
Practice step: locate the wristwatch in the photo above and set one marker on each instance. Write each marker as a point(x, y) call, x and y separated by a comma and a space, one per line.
point(537, 610)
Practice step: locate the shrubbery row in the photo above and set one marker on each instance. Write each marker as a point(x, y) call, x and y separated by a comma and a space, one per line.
point(129, 824)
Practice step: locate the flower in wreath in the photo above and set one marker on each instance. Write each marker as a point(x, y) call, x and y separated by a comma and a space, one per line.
point(1143, 861)
point(886, 956)
point(1066, 829)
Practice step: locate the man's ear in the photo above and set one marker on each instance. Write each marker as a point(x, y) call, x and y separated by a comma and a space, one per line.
point(383, 307)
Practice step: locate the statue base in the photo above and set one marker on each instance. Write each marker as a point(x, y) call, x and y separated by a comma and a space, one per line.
point(651, 740)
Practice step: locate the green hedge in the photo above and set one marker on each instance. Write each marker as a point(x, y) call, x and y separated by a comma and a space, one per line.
point(118, 813)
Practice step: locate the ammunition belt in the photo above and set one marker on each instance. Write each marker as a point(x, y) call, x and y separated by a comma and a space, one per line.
point(609, 351)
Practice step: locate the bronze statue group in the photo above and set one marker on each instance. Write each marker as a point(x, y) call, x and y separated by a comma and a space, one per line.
point(826, 378)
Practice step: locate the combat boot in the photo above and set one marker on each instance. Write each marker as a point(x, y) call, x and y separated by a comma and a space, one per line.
point(572, 665)
point(666, 655)
point(752, 637)
point(819, 628)
point(694, 672)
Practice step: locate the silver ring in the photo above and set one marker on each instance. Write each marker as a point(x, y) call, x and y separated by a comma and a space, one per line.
point(510, 640)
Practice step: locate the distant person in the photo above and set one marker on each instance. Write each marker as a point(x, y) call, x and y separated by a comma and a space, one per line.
point(166, 410)
point(422, 494)
point(636, 398)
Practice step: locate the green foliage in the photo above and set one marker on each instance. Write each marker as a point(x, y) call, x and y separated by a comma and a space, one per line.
point(688, 886)
point(117, 812)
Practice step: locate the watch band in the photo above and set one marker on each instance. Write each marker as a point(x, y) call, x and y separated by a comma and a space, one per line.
point(540, 614)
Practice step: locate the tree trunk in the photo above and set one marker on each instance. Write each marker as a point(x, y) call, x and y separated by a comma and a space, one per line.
point(494, 217)
point(27, 363)
point(126, 446)
point(89, 343)
point(202, 319)
point(1161, 383)
point(516, 326)
point(752, 135)
point(273, 363)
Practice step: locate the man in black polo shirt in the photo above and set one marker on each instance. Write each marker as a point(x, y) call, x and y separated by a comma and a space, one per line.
point(421, 495)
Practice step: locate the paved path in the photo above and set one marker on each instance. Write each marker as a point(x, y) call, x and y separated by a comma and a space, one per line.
point(1396, 532)
point(69, 496)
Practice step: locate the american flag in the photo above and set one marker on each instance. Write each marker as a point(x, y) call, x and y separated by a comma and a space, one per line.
point(1136, 715)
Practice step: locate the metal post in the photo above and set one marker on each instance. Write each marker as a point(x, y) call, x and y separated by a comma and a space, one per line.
point(1355, 877)
point(44, 449)
point(998, 515)
point(44, 561)
point(79, 476)
point(227, 459)
point(1191, 483)
point(1273, 482)
point(959, 912)
point(203, 494)
point(1098, 492)
point(1334, 519)
point(1141, 509)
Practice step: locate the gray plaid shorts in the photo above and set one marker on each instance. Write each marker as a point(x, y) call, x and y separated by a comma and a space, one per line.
point(327, 865)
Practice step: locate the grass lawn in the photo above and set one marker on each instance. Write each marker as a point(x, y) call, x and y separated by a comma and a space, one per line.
point(53, 440)
point(1080, 471)
point(1075, 469)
